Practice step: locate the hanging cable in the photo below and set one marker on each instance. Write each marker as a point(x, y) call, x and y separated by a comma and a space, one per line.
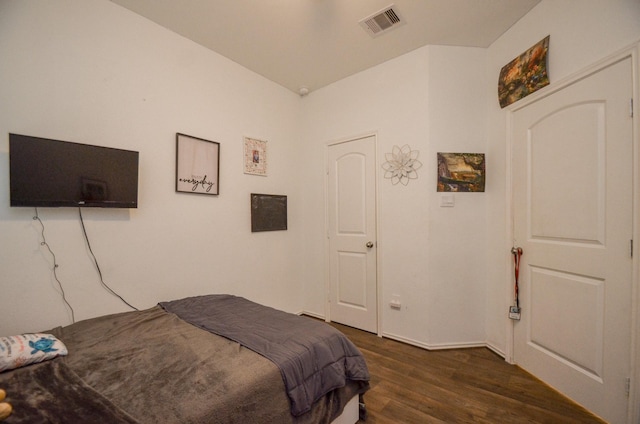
point(517, 254)
point(95, 261)
point(55, 265)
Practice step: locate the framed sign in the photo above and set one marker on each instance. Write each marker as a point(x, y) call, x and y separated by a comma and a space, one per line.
point(197, 165)
point(255, 156)
point(268, 212)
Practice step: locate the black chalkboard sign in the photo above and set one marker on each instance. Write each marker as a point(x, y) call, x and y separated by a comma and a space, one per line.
point(268, 212)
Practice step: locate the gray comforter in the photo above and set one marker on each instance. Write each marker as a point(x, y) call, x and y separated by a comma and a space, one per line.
point(151, 367)
point(313, 357)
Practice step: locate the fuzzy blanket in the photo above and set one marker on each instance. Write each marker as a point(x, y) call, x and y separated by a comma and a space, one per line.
point(56, 395)
point(152, 367)
point(313, 357)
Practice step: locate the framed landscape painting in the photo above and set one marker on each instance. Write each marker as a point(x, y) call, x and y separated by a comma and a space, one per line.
point(524, 75)
point(461, 172)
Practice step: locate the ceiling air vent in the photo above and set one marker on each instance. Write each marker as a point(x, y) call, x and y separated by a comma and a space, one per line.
point(382, 21)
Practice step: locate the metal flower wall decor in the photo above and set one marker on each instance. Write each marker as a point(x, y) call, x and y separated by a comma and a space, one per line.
point(401, 165)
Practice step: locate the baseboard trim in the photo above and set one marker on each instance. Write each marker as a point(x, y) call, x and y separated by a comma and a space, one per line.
point(312, 315)
point(497, 351)
point(427, 346)
point(432, 346)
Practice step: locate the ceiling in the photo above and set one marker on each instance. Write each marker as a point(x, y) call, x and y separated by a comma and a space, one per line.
point(313, 43)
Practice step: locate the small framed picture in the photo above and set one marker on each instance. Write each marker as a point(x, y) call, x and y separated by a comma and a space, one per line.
point(197, 165)
point(461, 172)
point(268, 212)
point(255, 156)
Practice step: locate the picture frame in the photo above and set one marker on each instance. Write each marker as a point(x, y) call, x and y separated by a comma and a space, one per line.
point(525, 74)
point(268, 212)
point(197, 165)
point(461, 172)
point(255, 156)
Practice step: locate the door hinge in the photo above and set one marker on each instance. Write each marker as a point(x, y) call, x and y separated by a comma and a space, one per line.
point(631, 108)
point(631, 248)
point(627, 385)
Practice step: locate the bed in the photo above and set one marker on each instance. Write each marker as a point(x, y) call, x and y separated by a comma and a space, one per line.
point(203, 359)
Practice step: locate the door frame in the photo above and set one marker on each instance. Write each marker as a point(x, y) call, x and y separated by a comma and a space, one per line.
point(632, 52)
point(379, 245)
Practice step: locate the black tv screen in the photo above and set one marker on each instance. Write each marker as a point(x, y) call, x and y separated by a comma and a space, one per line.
point(44, 172)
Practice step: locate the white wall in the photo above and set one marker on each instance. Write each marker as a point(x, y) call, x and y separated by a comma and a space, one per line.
point(92, 72)
point(581, 33)
point(433, 100)
point(451, 267)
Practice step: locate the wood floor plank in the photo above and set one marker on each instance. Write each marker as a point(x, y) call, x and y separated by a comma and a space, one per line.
point(413, 385)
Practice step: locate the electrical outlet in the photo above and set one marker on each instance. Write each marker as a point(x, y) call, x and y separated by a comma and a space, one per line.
point(514, 313)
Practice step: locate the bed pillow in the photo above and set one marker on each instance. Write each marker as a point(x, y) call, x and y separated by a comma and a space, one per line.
point(25, 349)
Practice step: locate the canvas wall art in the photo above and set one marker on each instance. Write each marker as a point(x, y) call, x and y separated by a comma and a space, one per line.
point(461, 172)
point(524, 75)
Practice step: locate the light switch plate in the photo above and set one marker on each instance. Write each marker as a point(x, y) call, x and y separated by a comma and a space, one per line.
point(447, 201)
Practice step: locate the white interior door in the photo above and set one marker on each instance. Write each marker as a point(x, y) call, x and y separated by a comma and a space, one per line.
point(572, 204)
point(352, 233)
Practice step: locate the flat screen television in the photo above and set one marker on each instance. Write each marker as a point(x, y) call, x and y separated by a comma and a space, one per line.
point(53, 173)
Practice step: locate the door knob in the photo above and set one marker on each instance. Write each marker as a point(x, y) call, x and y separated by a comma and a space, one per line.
point(370, 244)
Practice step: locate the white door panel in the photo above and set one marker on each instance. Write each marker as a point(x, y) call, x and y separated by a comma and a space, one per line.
point(572, 205)
point(562, 182)
point(574, 304)
point(352, 233)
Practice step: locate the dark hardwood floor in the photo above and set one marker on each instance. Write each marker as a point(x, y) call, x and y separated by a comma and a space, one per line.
point(413, 385)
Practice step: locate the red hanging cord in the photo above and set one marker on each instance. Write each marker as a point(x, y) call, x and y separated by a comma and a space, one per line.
point(517, 253)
